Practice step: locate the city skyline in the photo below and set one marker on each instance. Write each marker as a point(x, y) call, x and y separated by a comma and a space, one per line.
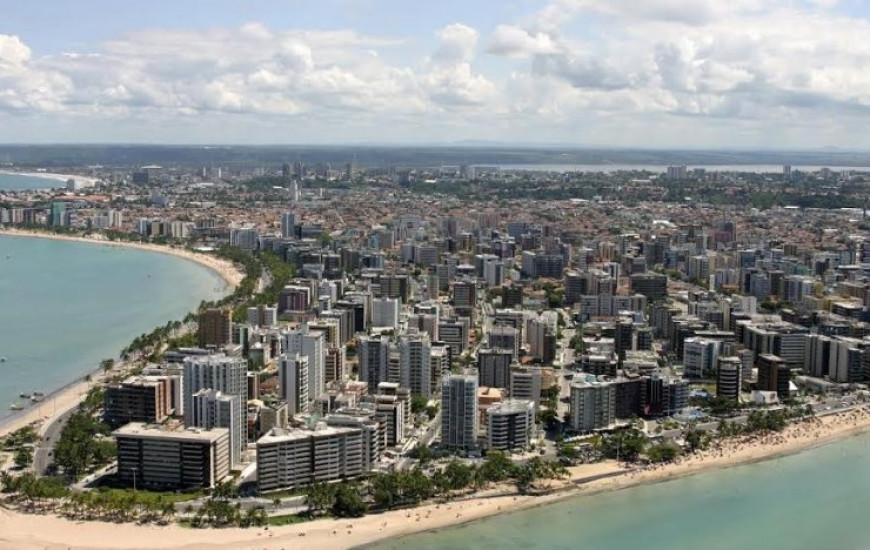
point(662, 74)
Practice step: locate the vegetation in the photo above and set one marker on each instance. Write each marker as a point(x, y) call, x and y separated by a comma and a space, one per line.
point(82, 444)
point(663, 452)
point(219, 511)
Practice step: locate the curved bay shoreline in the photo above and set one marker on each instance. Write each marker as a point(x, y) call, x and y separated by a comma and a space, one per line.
point(65, 398)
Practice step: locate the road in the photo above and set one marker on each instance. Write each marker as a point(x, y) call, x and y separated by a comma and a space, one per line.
point(50, 432)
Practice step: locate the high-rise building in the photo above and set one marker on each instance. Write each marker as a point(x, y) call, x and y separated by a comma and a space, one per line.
point(374, 358)
point(593, 405)
point(494, 367)
point(652, 285)
point(728, 378)
point(459, 418)
point(262, 316)
point(385, 312)
point(507, 338)
point(293, 382)
point(416, 364)
point(215, 327)
point(700, 356)
point(510, 425)
point(311, 344)
point(227, 375)
point(774, 374)
point(288, 224)
point(212, 409)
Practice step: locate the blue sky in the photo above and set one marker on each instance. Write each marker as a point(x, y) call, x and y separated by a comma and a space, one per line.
point(657, 73)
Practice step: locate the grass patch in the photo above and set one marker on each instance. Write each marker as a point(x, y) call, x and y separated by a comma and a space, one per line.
point(169, 496)
point(292, 519)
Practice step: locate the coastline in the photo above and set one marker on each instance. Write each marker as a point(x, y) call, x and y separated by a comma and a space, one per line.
point(65, 398)
point(52, 176)
point(39, 531)
point(225, 269)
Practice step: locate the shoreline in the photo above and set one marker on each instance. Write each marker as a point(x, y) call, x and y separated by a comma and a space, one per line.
point(18, 530)
point(70, 395)
point(52, 176)
point(228, 272)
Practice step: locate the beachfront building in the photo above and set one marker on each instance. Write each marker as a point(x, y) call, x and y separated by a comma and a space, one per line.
point(510, 425)
point(459, 418)
point(593, 405)
point(729, 378)
point(228, 375)
point(290, 459)
point(774, 374)
point(140, 399)
point(152, 457)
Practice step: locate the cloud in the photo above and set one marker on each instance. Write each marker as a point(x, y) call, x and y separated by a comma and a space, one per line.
point(514, 41)
point(610, 71)
point(457, 42)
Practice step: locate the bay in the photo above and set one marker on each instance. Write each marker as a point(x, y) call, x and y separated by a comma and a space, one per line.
point(813, 500)
point(65, 306)
point(17, 182)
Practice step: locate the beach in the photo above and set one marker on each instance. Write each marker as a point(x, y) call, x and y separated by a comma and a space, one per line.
point(70, 395)
point(44, 531)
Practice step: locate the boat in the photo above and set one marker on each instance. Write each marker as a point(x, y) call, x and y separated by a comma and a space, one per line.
point(38, 394)
point(35, 398)
point(3, 359)
point(24, 395)
point(16, 407)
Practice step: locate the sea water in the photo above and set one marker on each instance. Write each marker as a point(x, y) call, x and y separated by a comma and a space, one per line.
point(814, 500)
point(65, 306)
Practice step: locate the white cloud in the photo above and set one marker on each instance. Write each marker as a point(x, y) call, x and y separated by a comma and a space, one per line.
point(580, 70)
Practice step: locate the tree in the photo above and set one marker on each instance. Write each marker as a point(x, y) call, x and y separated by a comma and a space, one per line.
point(697, 440)
point(423, 453)
point(663, 452)
point(458, 475)
point(23, 457)
point(348, 502)
point(419, 404)
point(625, 445)
point(496, 468)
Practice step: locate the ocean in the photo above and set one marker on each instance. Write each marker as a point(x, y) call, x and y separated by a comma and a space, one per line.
point(15, 182)
point(65, 306)
point(813, 500)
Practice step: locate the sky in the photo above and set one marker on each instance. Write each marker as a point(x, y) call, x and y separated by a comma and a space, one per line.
point(658, 74)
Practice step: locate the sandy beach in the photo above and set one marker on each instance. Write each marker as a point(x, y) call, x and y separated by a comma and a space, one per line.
point(34, 531)
point(62, 400)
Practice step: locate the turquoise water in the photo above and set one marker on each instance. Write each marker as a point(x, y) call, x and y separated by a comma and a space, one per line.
point(64, 306)
point(14, 182)
point(816, 500)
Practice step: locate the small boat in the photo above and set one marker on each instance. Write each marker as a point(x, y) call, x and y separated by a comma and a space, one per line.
point(24, 395)
point(38, 394)
point(35, 398)
point(16, 407)
point(3, 359)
